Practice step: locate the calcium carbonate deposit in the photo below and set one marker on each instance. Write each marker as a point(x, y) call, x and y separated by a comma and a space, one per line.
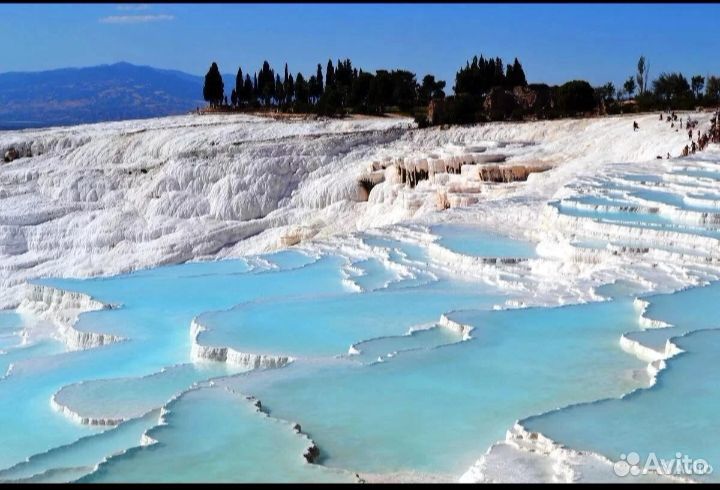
point(236, 298)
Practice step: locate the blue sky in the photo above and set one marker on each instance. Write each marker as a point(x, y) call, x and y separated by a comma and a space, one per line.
point(554, 42)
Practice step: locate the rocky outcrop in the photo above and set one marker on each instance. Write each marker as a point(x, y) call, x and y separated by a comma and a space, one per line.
point(436, 111)
point(366, 183)
point(536, 98)
point(11, 155)
point(412, 171)
point(489, 158)
point(500, 103)
point(525, 97)
point(442, 202)
point(290, 239)
point(312, 453)
point(296, 234)
point(509, 173)
point(473, 166)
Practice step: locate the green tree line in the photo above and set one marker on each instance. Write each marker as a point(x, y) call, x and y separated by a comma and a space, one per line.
point(339, 89)
point(485, 89)
point(669, 91)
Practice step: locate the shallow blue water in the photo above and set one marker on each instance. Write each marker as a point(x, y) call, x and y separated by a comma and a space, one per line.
point(677, 414)
point(68, 463)
point(409, 251)
point(640, 220)
point(618, 289)
point(327, 325)
point(426, 402)
point(693, 172)
point(373, 275)
point(675, 200)
point(10, 328)
point(474, 241)
point(599, 201)
point(158, 306)
point(381, 349)
point(208, 422)
point(130, 378)
point(436, 410)
point(634, 218)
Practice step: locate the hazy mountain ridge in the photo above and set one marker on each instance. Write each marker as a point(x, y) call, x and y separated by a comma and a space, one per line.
point(99, 93)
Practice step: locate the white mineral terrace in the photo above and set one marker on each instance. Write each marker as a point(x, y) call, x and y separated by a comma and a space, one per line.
point(108, 198)
point(591, 195)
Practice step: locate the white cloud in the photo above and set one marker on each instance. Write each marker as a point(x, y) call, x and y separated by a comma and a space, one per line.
point(135, 19)
point(133, 6)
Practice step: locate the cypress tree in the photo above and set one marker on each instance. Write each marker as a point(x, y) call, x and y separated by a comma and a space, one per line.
point(490, 75)
point(360, 97)
point(266, 83)
point(301, 90)
point(239, 85)
point(509, 76)
point(319, 77)
point(288, 88)
point(279, 91)
point(483, 82)
point(313, 89)
point(499, 73)
point(247, 93)
point(518, 74)
point(214, 88)
point(329, 75)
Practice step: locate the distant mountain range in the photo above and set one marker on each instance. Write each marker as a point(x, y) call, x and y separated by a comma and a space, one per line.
point(99, 93)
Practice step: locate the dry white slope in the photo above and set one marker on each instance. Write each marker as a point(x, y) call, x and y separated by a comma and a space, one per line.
point(108, 198)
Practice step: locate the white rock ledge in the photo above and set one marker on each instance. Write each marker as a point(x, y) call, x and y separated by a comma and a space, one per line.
point(63, 308)
point(538, 458)
point(461, 329)
point(231, 356)
point(72, 415)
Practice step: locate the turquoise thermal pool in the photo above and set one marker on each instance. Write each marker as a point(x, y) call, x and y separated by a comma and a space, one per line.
point(365, 365)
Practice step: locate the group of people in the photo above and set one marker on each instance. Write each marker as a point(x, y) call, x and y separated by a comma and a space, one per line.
point(714, 132)
point(703, 139)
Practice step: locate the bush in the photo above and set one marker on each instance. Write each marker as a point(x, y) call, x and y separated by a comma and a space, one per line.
point(517, 114)
point(685, 102)
point(422, 121)
point(614, 108)
point(329, 104)
point(576, 96)
point(647, 102)
point(462, 109)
